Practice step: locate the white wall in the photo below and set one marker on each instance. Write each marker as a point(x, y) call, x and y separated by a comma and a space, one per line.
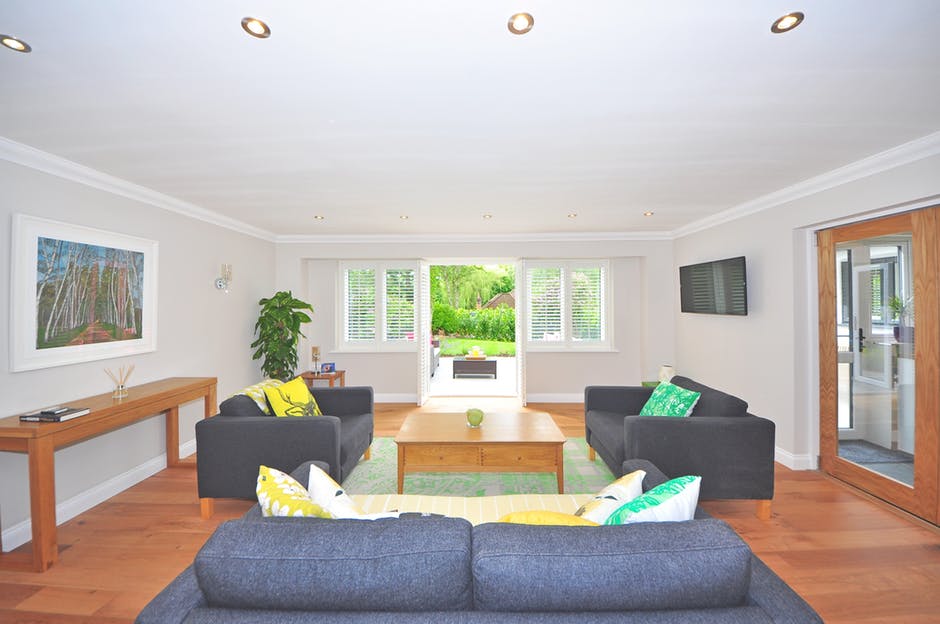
point(642, 273)
point(769, 357)
point(201, 332)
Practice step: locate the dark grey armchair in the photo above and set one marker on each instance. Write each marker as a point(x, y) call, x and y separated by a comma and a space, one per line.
point(232, 445)
point(731, 449)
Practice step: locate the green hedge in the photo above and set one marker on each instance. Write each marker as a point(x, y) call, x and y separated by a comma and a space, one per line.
point(485, 324)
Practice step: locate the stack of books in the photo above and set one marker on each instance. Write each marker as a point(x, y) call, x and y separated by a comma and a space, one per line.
point(59, 413)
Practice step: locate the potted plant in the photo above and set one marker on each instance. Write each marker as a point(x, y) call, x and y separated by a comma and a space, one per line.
point(902, 311)
point(278, 330)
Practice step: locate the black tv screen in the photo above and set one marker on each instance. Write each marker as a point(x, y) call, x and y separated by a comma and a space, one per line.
point(718, 287)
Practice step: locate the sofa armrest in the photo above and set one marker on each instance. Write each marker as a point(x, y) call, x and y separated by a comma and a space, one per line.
point(344, 401)
point(229, 450)
point(734, 455)
point(174, 603)
point(620, 399)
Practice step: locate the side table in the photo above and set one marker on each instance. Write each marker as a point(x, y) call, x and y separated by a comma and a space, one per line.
point(310, 377)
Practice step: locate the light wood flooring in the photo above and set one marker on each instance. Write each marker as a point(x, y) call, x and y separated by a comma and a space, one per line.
point(853, 559)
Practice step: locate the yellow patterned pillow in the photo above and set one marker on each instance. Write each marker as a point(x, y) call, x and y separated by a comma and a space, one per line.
point(279, 494)
point(256, 392)
point(541, 516)
point(292, 399)
point(612, 497)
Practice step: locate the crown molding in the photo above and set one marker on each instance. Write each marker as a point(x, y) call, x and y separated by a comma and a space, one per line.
point(918, 149)
point(39, 160)
point(554, 237)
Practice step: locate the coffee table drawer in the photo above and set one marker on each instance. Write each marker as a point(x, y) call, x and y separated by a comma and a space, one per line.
point(443, 455)
point(521, 455)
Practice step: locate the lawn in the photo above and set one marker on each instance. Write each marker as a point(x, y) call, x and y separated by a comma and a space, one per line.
point(460, 346)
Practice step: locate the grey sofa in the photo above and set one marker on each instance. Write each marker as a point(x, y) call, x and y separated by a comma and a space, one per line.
point(232, 445)
point(731, 449)
point(443, 570)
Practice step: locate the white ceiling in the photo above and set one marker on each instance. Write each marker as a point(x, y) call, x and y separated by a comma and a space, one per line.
point(365, 111)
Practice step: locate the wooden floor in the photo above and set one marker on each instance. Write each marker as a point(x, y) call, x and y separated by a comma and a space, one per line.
point(854, 560)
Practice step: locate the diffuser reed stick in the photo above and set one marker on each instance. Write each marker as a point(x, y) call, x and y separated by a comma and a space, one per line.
point(120, 380)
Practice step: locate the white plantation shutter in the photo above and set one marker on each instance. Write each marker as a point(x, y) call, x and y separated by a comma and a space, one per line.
point(545, 304)
point(360, 305)
point(587, 304)
point(568, 305)
point(400, 304)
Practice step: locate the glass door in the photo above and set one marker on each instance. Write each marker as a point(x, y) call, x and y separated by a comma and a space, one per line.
point(878, 411)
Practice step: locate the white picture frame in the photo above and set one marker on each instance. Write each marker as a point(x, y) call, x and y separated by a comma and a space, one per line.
point(54, 294)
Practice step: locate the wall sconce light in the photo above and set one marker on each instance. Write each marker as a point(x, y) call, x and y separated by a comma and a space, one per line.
point(666, 372)
point(224, 281)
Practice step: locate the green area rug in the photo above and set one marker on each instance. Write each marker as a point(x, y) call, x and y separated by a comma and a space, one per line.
point(379, 475)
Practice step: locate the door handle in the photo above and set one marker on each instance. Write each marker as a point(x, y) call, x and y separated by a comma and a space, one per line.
point(861, 340)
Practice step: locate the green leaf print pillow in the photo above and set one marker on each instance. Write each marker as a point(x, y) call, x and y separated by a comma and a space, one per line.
point(670, 400)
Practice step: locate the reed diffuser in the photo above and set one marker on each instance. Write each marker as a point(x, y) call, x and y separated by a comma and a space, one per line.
point(120, 381)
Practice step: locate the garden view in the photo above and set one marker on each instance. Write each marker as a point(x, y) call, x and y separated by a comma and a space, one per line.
point(473, 306)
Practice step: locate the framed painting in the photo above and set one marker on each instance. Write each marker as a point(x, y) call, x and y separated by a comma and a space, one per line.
point(79, 294)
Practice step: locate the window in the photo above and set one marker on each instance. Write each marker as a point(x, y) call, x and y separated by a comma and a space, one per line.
point(378, 306)
point(567, 305)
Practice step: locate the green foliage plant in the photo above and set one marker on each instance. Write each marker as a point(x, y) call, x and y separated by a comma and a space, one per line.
point(278, 331)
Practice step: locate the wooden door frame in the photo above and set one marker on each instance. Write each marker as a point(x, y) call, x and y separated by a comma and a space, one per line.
point(923, 499)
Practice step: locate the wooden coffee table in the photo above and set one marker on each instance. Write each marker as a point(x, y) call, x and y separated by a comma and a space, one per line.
point(506, 442)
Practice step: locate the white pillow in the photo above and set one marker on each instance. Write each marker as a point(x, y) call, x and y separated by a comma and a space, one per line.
point(612, 497)
point(327, 493)
point(672, 501)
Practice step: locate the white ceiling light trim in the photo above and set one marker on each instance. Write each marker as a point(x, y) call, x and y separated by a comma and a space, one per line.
point(912, 151)
point(60, 167)
point(559, 237)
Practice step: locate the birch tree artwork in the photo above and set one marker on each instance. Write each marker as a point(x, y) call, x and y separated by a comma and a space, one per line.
point(87, 294)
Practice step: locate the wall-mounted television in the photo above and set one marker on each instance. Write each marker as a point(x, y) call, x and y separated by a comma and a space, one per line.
point(718, 287)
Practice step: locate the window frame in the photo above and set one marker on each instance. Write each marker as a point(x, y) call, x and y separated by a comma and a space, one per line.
point(380, 342)
point(568, 343)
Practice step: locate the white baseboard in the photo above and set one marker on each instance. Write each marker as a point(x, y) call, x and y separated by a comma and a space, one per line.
point(20, 533)
point(547, 397)
point(396, 398)
point(795, 462)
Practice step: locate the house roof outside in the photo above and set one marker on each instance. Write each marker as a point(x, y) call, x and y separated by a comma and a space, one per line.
point(506, 299)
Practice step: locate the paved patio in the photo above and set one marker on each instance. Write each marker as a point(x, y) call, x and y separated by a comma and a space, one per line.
point(443, 383)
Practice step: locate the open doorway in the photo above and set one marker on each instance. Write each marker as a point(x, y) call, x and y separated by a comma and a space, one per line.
point(472, 330)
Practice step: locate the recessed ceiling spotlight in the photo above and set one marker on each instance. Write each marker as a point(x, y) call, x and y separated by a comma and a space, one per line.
point(648, 213)
point(487, 216)
point(787, 23)
point(319, 217)
point(572, 215)
point(403, 217)
point(256, 28)
point(17, 45)
point(521, 23)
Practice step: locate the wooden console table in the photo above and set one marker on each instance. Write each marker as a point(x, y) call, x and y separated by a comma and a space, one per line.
point(40, 440)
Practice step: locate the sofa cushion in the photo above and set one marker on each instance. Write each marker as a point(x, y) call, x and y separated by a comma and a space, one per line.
point(673, 501)
point(256, 392)
point(670, 400)
point(280, 494)
point(327, 493)
point(670, 565)
point(609, 499)
point(240, 405)
point(408, 564)
point(712, 402)
point(545, 517)
point(292, 399)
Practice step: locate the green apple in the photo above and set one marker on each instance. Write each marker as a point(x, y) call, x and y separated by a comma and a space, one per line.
point(474, 417)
